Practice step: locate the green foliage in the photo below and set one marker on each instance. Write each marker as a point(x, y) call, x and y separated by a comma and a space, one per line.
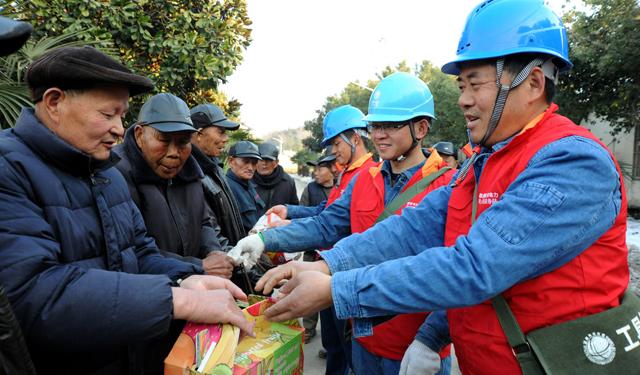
point(605, 50)
point(14, 94)
point(303, 156)
point(187, 47)
point(450, 124)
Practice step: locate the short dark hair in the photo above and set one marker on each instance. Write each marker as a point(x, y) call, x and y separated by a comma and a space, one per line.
point(350, 132)
point(513, 64)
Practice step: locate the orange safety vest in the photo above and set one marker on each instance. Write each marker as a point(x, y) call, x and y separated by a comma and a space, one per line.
point(391, 339)
point(592, 282)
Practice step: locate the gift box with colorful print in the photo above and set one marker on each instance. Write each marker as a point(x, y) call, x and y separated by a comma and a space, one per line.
point(207, 349)
point(278, 348)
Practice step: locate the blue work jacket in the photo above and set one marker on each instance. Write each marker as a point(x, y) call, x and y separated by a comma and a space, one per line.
point(401, 264)
point(249, 202)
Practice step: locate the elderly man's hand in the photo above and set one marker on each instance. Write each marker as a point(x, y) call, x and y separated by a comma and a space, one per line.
point(217, 263)
point(306, 293)
point(201, 282)
point(209, 306)
point(280, 210)
point(274, 276)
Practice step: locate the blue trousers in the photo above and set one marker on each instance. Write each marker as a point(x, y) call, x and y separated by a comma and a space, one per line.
point(338, 351)
point(370, 364)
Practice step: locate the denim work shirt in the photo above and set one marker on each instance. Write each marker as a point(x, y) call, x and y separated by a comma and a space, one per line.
point(334, 222)
point(401, 265)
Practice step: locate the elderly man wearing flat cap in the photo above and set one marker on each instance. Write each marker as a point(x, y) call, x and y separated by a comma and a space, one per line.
point(164, 182)
point(243, 161)
point(88, 286)
point(207, 146)
point(273, 184)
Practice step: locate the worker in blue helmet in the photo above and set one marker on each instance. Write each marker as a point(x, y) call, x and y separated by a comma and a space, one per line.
point(524, 224)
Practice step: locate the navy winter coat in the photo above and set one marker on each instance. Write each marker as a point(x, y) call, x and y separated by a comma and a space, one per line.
point(85, 282)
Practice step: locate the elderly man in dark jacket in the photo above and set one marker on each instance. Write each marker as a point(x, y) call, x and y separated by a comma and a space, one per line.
point(208, 144)
point(87, 285)
point(243, 161)
point(273, 184)
point(164, 182)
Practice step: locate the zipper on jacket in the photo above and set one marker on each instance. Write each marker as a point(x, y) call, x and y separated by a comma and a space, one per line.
point(93, 181)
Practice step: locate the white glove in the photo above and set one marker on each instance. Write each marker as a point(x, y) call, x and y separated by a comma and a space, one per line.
point(419, 359)
point(247, 251)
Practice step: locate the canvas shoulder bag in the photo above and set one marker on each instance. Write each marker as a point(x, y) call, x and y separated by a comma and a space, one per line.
point(604, 343)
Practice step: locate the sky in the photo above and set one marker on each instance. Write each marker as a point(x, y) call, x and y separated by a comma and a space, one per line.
point(304, 51)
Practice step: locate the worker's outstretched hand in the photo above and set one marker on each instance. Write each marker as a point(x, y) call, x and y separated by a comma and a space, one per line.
point(306, 293)
point(247, 251)
point(275, 276)
point(280, 210)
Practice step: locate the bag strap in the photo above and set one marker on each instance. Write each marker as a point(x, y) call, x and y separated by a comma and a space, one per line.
point(410, 193)
point(518, 342)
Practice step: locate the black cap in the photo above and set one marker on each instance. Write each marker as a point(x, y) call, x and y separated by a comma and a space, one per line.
point(446, 148)
point(328, 159)
point(13, 35)
point(245, 149)
point(268, 151)
point(80, 67)
point(167, 113)
point(205, 115)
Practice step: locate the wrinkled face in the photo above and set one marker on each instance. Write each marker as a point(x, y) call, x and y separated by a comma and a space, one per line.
point(91, 121)
point(166, 152)
point(243, 167)
point(212, 140)
point(450, 160)
point(478, 92)
point(341, 149)
point(323, 175)
point(266, 166)
point(393, 142)
point(334, 171)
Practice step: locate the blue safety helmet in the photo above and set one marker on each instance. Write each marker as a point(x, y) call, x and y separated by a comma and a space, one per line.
point(341, 119)
point(505, 27)
point(400, 97)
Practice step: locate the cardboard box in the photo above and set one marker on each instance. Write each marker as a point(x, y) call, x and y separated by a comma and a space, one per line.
point(212, 349)
point(278, 348)
point(203, 349)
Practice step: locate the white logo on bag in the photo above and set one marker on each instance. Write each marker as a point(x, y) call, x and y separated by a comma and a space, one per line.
point(625, 330)
point(599, 348)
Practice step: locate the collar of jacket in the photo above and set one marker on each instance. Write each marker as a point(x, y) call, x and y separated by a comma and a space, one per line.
point(142, 171)
point(55, 150)
point(207, 164)
point(237, 179)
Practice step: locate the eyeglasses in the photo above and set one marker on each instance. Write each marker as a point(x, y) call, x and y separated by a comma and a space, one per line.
point(373, 128)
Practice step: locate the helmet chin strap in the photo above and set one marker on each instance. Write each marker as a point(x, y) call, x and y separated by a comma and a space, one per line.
point(353, 151)
point(414, 143)
point(501, 99)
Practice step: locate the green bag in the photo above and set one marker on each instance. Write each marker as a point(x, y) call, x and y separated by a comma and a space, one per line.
point(603, 343)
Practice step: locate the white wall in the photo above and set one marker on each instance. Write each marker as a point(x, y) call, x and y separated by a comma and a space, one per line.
point(621, 145)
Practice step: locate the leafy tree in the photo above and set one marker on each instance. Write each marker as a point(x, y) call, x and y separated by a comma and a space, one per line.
point(301, 158)
point(187, 47)
point(605, 50)
point(450, 124)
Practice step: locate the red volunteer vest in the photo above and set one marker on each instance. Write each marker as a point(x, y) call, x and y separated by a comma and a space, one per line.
point(590, 283)
point(391, 339)
point(363, 163)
